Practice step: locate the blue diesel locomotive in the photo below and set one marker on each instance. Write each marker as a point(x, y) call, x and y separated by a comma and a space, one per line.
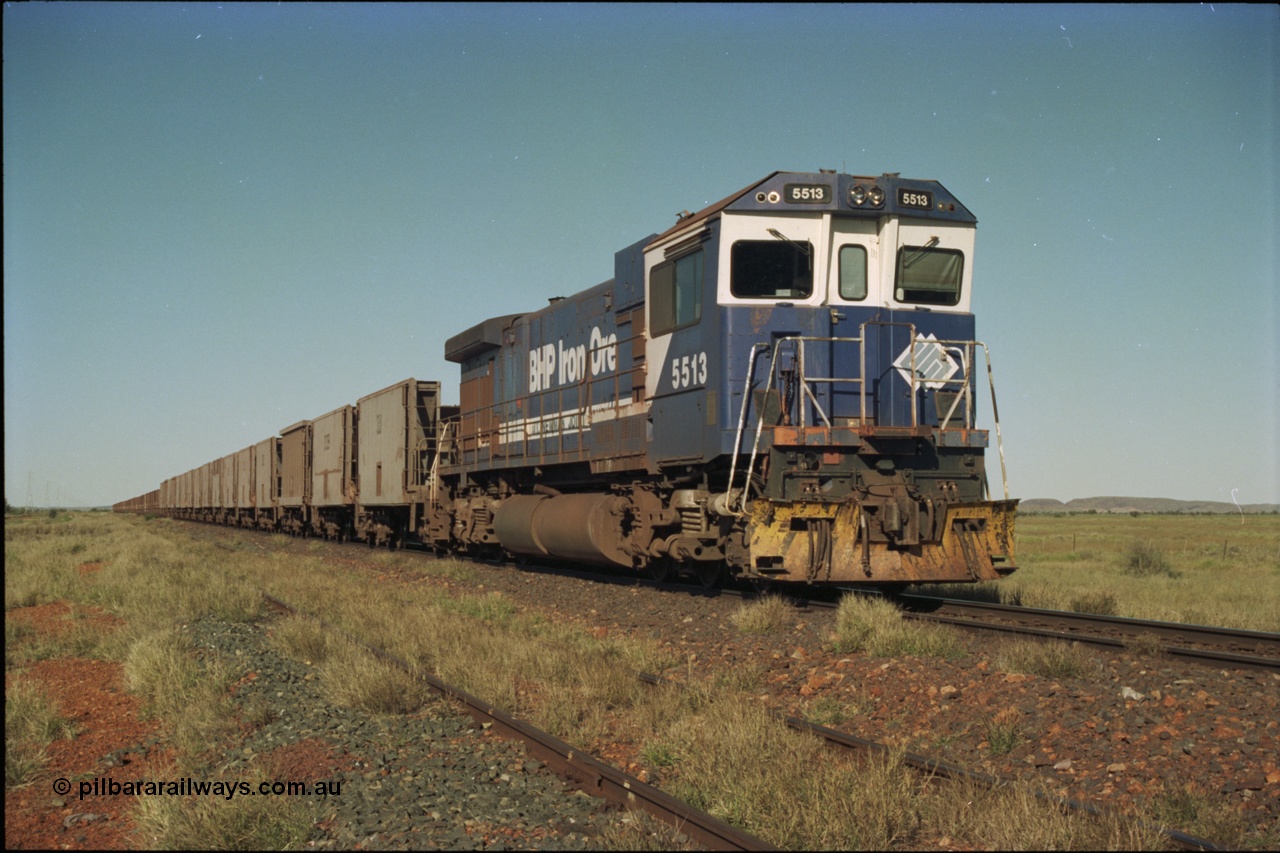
point(780, 386)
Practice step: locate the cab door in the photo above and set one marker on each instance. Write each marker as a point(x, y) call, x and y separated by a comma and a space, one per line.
point(853, 296)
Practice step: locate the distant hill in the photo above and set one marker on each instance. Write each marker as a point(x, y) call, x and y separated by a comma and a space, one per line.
point(1128, 505)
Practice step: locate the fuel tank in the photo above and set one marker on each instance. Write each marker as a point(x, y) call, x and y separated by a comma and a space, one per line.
point(586, 528)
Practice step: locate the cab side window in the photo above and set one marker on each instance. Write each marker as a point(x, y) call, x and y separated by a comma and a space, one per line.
point(675, 294)
point(771, 269)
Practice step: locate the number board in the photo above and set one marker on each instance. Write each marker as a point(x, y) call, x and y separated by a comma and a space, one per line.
point(918, 199)
point(807, 194)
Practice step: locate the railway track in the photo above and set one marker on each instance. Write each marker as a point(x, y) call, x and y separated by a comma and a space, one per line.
point(1224, 647)
point(1203, 644)
point(584, 771)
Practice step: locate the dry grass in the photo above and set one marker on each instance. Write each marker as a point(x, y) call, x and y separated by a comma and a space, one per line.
point(1209, 570)
point(565, 680)
point(156, 579)
point(243, 822)
point(828, 711)
point(81, 639)
point(147, 577)
point(638, 831)
point(1047, 659)
point(302, 639)
point(767, 615)
point(1192, 810)
point(1004, 731)
point(188, 695)
point(357, 679)
point(731, 758)
point(1012, 818)
point(877, 627)
point(31, 723)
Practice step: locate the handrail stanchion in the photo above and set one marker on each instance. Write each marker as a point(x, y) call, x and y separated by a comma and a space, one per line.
point(742, 422)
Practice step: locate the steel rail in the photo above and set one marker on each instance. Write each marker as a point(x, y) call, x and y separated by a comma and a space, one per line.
point(1226, 646)
point(1021, 621)
point(583, 771)
point(946, 770)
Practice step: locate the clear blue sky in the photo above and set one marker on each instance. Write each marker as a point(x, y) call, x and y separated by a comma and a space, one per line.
point(222, 219)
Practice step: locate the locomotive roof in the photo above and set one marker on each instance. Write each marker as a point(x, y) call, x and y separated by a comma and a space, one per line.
point(485, 335)
point(708, 212)
point(956, 211)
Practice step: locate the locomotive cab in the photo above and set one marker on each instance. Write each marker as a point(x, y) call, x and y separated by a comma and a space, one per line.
point(819, 326)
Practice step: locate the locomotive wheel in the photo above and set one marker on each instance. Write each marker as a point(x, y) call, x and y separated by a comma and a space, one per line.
point(660, 569)
point(709, 574)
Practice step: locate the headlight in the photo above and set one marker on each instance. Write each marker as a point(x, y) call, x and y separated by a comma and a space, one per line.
point(858, 194)
point(876, 196)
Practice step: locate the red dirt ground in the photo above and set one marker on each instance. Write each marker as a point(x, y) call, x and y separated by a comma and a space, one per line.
point(310, 760)
point(59, 617)
point(92, 694)
point(108, 721)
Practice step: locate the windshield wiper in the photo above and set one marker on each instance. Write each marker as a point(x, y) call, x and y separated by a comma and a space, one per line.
point(808, 253)
point(919, 253)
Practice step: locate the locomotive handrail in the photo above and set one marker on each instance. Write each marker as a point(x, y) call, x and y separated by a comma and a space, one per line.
point(965, 350)
point(965, 362)
point(433, 479)
point(961, 348)
point(773, 362)
point(742, 422)
point(995, 417)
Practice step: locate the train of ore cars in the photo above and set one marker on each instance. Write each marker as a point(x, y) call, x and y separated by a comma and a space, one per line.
point(781, 386)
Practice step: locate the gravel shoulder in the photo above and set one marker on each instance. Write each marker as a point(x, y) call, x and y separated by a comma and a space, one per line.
point(432, 779)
